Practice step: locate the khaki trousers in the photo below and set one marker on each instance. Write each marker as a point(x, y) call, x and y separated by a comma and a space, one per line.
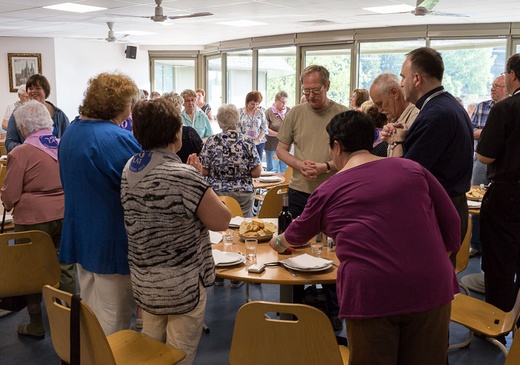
point(181, 331)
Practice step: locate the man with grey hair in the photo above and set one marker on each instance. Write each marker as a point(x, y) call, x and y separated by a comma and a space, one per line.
point(498, 148)
point(304, 126)
point(387, 95)
point(22, 95)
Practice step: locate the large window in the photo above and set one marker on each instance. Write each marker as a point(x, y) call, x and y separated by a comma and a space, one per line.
point(173, 74)
point(239, 76)
point(471, 65)
point(337, 62)
point(276, 72)
point(214, 82)
point(378, 57)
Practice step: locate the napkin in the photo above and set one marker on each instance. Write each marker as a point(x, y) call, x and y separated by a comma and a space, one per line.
point(474, 204)
point(270, 178)
point(306, 261)
point(267, 173)
point(215, 237)
point(236, 221)
point(223, 257)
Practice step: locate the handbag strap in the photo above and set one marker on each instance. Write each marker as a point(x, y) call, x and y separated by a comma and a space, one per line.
point(3, 222)
point(75, 358)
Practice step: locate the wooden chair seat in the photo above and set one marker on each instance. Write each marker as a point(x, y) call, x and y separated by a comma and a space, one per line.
point(483, 318)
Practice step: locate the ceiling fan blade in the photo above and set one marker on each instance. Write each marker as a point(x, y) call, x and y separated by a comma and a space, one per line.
point(194, 15)
point(427, 4)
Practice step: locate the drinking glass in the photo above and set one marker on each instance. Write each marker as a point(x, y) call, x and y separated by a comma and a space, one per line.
point(251, 245)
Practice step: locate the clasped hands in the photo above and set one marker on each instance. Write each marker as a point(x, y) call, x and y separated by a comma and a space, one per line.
point(309, 169)
point(393, 132)
point(194, 160)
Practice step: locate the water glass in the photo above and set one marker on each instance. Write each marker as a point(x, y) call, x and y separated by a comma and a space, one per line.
point(316, 248)
point(227, 237)
point(251, 245)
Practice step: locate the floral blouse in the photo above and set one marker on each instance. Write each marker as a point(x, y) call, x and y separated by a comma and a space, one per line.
point(252, 126)
point(230, 157)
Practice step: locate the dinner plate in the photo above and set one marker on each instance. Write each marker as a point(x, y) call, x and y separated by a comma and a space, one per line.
point(474, 204)
point(270, 179)
point(258, 238)
point(239, 259)
point(311, 269)
point(267, 173)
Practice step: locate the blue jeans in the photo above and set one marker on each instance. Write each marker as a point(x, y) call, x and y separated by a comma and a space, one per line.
point(274, 164)
point(260, 149)
point(478, 177)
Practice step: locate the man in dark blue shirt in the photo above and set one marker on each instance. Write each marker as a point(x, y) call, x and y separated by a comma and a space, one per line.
point(441, 137)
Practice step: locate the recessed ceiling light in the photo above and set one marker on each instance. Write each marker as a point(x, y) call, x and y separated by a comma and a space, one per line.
point(391, 9)
point(75, 8)
point(242, 23)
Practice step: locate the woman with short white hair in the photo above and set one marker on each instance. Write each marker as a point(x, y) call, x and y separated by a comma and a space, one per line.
point(33, 188)
point(230, 160)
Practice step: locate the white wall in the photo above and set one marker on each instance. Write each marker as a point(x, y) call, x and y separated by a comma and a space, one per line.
point(69, 64)
point(78, 61)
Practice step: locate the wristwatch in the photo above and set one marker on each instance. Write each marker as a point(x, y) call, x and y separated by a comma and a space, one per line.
point(328, 167)
point(395, 144)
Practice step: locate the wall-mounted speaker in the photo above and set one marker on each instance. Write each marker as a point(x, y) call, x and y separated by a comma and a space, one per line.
point(131, 52)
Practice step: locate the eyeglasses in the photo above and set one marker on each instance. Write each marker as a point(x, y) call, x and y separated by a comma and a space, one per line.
point(503, 73)
point(314, 90)
point(495, 86)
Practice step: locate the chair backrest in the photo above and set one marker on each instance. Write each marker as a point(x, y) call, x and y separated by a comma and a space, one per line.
point(512, 316)
point(26, 267)
point(94, 346)
point(258, 339)
point(3, 171)
point(513, 357)
point(272, 204)
point(462, 258)
point(288, 174)
point(233, 205)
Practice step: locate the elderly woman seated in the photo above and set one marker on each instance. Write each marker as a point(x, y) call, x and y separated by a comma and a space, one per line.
point(32, 186)
point(230, 160)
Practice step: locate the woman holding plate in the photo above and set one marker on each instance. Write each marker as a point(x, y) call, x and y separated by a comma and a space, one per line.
point(395, 282)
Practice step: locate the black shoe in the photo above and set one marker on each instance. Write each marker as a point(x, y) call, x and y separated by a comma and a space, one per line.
point(337, 324)
point(474, 252)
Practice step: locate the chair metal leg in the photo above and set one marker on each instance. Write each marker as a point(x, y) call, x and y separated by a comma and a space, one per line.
point(205, 328)
point(463, 344)
point(248, 297)
point(499, 344)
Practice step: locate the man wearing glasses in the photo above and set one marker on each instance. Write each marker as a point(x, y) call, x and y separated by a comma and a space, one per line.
point(478, 121)
point(498, 148)
point(304, 126)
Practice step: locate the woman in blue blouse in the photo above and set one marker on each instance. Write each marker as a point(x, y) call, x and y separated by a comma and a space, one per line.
point(92, 155)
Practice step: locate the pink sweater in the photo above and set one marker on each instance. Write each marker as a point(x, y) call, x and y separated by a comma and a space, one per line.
point(32, 186)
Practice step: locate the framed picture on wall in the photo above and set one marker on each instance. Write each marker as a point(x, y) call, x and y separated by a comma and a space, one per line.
point(21, 66)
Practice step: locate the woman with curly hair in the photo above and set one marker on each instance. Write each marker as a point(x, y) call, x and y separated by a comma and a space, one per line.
point(92, 155)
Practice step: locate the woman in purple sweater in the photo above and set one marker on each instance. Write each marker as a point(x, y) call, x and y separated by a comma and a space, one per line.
point(394, 227)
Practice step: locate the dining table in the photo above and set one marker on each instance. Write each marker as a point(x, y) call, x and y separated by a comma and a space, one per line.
point(279, 274)
point(268, 181)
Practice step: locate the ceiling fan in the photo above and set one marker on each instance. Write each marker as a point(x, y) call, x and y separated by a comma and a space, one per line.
point(425, 7)
point(111, 35)
point(160, 17)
